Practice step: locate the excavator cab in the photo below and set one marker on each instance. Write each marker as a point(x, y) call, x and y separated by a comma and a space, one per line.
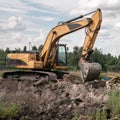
point(58, 57)
point(61, 55)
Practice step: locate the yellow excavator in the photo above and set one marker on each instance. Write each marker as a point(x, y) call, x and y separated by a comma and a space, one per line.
point(53, 55)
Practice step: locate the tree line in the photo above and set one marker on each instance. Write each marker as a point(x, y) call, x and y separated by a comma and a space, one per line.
point(108, 61)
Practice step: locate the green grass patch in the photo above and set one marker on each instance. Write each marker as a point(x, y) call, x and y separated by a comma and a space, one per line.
point(114, 102)
point(100, 115)
point(75, 116)
point(9, 112)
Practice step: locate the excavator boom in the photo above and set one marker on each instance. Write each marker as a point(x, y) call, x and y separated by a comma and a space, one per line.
point(57, 32)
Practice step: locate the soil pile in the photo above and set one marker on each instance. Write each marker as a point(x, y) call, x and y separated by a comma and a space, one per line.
point(54, 100)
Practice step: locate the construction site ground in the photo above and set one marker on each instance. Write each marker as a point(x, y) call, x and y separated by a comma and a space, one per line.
point(56, 100)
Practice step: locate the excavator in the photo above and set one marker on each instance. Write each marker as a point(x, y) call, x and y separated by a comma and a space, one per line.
point(53, 56)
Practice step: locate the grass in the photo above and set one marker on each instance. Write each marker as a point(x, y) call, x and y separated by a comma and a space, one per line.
point(110, 74)
point(113, 104)
point(75, 116)
point(9, 112)
point(100, 115)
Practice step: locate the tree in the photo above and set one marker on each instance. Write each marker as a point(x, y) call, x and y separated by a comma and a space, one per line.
point(7, 50)
point(25, 48)
point(73, 57)
point(107, 61)
point(2, 57)
point(40, 47)
point(34, 47)
point(98, 57)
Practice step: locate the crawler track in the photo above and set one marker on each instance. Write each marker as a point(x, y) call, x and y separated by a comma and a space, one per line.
point(30, 75)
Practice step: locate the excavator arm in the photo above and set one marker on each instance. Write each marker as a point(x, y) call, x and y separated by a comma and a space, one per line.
point(91, 34)
point(57, 32)
point(90, 70)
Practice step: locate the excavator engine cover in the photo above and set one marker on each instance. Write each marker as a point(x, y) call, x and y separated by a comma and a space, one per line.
point(89, 71)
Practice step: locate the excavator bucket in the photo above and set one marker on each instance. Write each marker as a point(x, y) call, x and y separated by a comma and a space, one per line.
point(89, 71)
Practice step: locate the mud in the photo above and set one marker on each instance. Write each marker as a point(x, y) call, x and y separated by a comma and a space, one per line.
point(59, 100)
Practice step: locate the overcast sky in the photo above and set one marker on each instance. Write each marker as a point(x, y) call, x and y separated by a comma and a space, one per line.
point(25, 21)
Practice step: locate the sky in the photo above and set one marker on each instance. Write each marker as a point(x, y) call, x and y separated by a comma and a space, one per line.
point(27, 22)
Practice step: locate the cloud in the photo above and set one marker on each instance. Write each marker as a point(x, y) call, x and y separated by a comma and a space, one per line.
point(92, 4)
point(105, 34)
point(14, 40)
point(88, 5)
point(41, 15)
point(39, 38)
point(13, 23)
point(48, 19)
point(17, 36)
point(14, 10)
point(13, 7)
point(117, 25)
point(61, 5)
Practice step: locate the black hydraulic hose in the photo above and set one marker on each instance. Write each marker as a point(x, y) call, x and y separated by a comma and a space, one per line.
point(81, 16)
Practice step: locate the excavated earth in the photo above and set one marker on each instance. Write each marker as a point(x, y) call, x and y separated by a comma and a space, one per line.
point(55, 100)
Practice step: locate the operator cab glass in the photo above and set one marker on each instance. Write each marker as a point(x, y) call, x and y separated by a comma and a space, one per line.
point(62, 55)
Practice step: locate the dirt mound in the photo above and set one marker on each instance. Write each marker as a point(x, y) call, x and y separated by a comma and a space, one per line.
point(58, 100)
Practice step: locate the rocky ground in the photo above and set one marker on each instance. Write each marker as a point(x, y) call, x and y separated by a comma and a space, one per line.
point(58, 100)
